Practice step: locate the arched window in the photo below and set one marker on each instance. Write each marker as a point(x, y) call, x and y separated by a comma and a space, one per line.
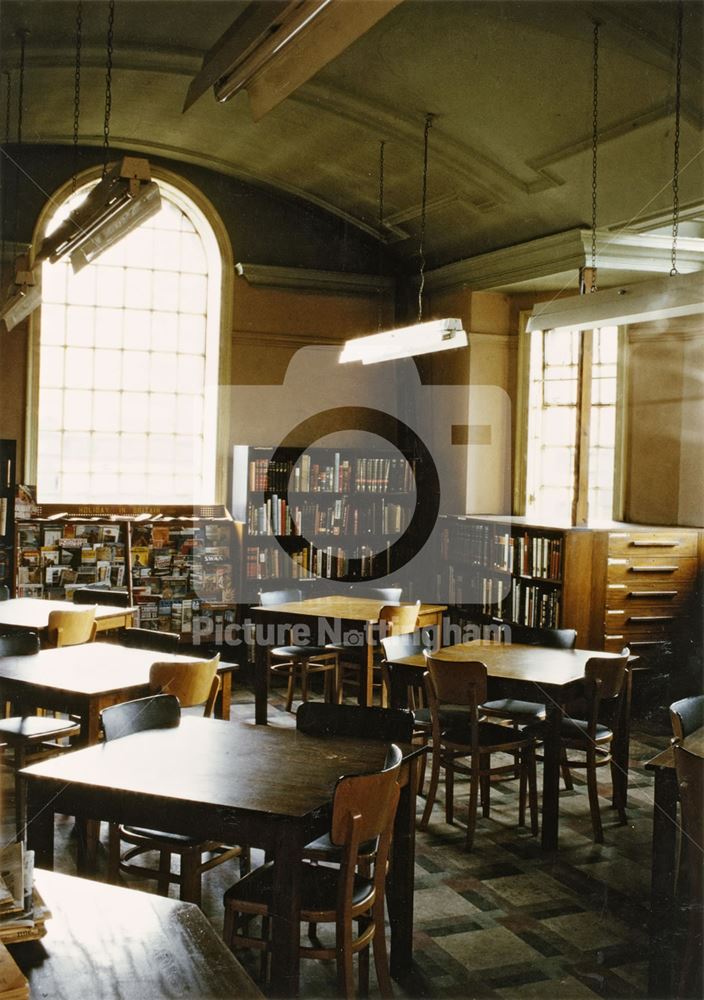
point(128, 364)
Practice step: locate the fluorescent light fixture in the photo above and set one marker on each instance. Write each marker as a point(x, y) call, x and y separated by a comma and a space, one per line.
point(23, 296)
point(662, 298)
point(123, 200)
point(275, 46)
point(406, 342)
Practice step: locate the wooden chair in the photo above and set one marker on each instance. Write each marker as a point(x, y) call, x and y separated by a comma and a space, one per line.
point(148, 638)
point(70, 628)
point(389, 595)
point(463, 684)
point(607, 696)
point(394, 619)
point(690, 781)
point(292, 659)
point(191, 683)
point(363, 810)
point(687, 715)
point(30, 736)
point(116, 598)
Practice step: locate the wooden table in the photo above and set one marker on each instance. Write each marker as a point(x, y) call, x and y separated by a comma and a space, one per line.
point(33, 613)
point(232, 783)
point(83, 680)
point(351, 614)
point(663, 910)
point(108, 942)
point(552, 677)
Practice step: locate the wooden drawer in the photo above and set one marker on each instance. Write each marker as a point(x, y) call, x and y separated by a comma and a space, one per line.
point(663, 544)
point(653, 570)
point(615, 641)
point(639, 597)
point(657, 621)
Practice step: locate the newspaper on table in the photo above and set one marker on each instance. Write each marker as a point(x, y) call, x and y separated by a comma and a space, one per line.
point(22, 910)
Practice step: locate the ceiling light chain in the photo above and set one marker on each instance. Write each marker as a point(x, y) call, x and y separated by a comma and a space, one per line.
point(108, 86)
point(77, 92)
point(676, 162)
point(595, 143)
point(424, 198)
point(381, 230)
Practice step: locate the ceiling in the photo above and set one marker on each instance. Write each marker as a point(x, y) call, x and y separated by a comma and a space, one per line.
point(509, 84)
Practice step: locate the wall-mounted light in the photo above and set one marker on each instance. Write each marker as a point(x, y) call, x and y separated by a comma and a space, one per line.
point(406, 342)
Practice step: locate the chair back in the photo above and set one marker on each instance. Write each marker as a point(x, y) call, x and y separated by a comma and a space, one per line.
point(554, 638)
point(19, 644)
point(690, 781)
point(687, 715)
point(364, 807)
point(606, 684)
point(194, 682)
point(70, 628)
point(147, 638)
point(290, 596)
point(117, 598)
point(160, 712)
point(316, 718)
point(398, 619)
point(457, 682)
point(390, 595)
point(398, 647)
point(4, 592)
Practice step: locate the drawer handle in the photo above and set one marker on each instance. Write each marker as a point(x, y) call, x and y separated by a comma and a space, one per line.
point(618, 562)
point(651, 618)
point(654, 543)
point(654, 569)
point(617, 586)
point(614, 637)
point(619, 611)
point(653, 593)
point(646, 642)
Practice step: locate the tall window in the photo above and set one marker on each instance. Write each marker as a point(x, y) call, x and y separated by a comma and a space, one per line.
point(557, 383)
point(129, 365)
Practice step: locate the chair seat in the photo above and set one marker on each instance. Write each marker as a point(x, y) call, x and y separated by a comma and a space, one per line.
point(324, 846)
point(450, 716)
point(33, 728)
point(300, 652)
point(571, 731)
point(319, 888)
point(178, 840)
point(515, 710)
point(489, 733)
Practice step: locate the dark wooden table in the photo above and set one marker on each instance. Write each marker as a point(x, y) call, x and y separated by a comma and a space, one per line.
point(663, 909)
point(358, 614)
point(236, 784)
point(551, 677)
point(83, 680)
point(33, 613)
point(107, 942)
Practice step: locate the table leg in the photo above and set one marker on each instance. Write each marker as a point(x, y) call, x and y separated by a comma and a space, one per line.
point(551, 776)
point(662, 886)
point(90, 724)
point(620, 747)
point(400, 881)
point(261, 679)
point(222, 710)
point(286, 906)
point(366, 674)
point(40, 825)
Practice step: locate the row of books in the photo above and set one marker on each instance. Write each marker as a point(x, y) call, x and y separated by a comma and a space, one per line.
point(341, 475)
point(167, 616)
point(275, 517)
point(525, 554)
point(328, 562)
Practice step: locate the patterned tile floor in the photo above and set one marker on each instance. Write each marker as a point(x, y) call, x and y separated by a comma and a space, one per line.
point(504, 920)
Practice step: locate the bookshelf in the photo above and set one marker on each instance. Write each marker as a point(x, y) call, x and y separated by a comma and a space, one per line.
point(8, 455)
point(175, 563)
point(326, 514)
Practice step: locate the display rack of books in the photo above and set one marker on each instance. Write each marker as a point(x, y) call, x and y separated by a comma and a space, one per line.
point(8, 452)
point(509, 571)
point(175, 562)
point(325, 514)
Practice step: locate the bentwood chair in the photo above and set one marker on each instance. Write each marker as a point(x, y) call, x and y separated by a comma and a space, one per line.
point(71, 628)
point(30, 736)
point(363, 810)
point(687, 715)
point(690, 781)
point(607, 700)
point(302, 660)
point(189, 684)
point(463, 684)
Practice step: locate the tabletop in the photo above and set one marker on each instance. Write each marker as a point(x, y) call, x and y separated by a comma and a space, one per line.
point(518, 662)
point(110, 942)
point(349, 608)
point(33, 612)
point(666, 758)
point(91, 668)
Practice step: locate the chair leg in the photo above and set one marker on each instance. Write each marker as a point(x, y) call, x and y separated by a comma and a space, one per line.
point(113, 853)
point(532, 790)
point(304, 680)
point(190, 878)
point(363, 960)
point(432, 789)
point(343, 949)
point(229, 927)
point(381, 957)
point(473, 797)
point(566, 775)
point(617, 784)
point(485, 781)
point(291, 686)
point(522, 783)
point(449, 791)
point(164, 879)
point(594, 798)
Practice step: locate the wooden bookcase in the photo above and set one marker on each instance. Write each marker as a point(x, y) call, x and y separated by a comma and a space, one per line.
point(325, 515)
point(175, 562)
